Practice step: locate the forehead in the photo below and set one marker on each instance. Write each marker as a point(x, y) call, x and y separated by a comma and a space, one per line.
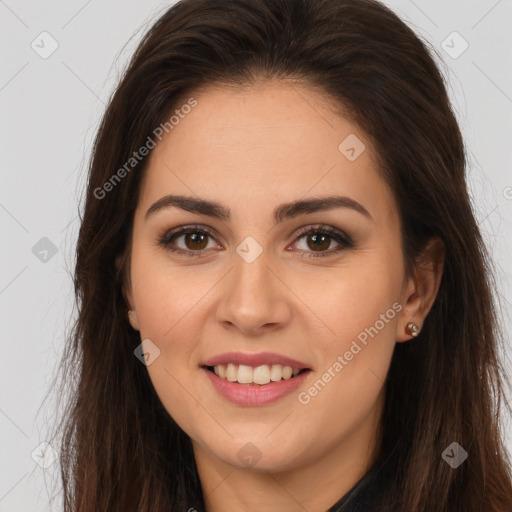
point(257, 146)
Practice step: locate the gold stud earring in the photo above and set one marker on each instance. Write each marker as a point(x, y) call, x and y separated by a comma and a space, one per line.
point(412, 329)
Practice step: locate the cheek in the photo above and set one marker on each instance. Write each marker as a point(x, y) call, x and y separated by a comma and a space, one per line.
point(165, 294)
point(169, 308)
point(360, 315)
point(346, 388)
point(350, 299)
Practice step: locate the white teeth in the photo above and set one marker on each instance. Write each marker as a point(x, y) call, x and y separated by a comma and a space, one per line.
point(244, 375)
point(276, 372)
point(287, 372)
point(260, 375)
point(231, 372)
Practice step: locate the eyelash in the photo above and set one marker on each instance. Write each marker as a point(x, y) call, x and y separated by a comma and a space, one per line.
point(344, 241)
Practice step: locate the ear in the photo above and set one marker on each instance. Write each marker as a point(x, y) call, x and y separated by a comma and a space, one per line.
point(421, 289)
point(122, 270)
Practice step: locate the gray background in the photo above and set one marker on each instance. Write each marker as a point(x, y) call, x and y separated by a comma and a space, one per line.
point(50, 109)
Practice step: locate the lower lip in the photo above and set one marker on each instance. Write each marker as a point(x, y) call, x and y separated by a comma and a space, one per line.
point(255, 394)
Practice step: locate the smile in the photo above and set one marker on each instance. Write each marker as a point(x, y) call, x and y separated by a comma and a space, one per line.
point(261, 375)
point(254, 379)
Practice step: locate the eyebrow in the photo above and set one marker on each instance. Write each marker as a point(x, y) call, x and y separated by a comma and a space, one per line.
point(283, 212)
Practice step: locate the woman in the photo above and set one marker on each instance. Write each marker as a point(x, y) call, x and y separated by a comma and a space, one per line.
point(284, 298)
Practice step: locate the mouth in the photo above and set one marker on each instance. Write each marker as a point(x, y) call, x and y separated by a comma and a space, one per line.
point(251, 386)
point(260, 375)
point(255, 379)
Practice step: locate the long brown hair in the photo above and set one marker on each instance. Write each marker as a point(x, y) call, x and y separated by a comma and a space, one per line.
point(121, 450)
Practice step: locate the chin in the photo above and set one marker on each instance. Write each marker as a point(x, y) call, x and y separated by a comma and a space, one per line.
point(257, 453)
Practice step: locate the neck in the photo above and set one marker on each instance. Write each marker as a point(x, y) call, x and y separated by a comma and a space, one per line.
point(314, 483)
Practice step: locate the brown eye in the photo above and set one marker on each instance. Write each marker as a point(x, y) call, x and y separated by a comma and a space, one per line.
point(195, 241)
point(187, 241)
point(192, 241)
point(318, 240)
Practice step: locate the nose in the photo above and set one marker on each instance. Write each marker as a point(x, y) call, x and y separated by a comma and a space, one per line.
point(254, 300)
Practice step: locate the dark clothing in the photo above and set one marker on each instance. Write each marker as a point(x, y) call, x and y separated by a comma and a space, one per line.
point(366, 493)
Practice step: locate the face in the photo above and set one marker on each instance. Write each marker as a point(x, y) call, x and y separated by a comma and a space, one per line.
point(317, 288)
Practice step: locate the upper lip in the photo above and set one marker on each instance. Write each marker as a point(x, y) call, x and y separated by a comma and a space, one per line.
point(255, 360)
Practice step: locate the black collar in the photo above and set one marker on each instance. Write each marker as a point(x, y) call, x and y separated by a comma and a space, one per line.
point(366, 493)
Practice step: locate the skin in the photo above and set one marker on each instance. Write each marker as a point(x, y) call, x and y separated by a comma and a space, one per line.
point(251, 149)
